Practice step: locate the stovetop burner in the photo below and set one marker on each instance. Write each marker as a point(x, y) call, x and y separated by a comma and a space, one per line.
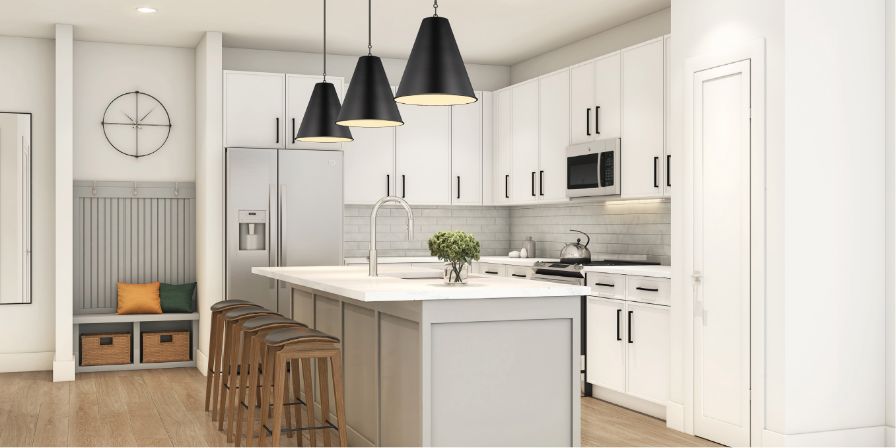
point(567, 269)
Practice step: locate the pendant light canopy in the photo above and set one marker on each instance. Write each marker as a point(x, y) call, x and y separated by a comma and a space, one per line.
point(369, 102)
point(319, 123)
point(435, 74)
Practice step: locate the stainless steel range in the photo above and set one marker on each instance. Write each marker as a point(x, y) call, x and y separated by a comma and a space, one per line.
point(574, 274)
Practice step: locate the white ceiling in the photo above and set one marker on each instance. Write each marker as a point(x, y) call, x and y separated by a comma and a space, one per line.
point(500, 32)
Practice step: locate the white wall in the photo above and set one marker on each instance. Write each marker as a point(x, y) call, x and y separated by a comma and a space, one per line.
point(483, 77)
point(27, 331)
point(104, 71)
point(891, 222)
point(622, 36)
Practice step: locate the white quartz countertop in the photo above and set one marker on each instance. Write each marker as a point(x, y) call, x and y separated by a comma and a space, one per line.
point(644, 271)
point(516, 261)
point(354, 283)
point(487, 259)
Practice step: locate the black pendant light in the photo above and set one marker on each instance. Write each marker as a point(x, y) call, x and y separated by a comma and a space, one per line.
point(435, 74)
point(369, 102)
point(319, 123)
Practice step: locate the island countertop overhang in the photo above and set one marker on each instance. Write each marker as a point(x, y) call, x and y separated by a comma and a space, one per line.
point(353, 282)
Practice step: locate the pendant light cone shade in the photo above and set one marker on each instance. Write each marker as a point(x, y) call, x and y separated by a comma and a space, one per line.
point(369, 102)
point(435, 74)
point(319, 123)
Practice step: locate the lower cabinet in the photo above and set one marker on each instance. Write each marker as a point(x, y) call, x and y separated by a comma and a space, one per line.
point(628, 348)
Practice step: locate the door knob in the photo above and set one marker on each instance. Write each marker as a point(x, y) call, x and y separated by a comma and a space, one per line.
point(697, 276)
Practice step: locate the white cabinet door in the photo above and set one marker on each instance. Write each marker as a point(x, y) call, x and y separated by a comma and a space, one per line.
point(369, 165)
point(488, 148)
point(642, 120)
point(607, 111)
point(298, 93)
point(581, 103)
point(253, 109)
point(423, 155)
point(466, 153)
point(647, 338)
point(502, 147)
point(553, 136)
point(524, 124)
point(667, 92)
point(606, 344)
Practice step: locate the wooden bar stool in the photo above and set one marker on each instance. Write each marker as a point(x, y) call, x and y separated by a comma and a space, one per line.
point(284, 346)
point(213, 369)
point(244, 366)
point(231, 319)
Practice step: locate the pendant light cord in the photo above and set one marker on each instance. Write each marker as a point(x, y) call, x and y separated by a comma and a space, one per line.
point(369, 27)
point(325, 40)
point(435, 8)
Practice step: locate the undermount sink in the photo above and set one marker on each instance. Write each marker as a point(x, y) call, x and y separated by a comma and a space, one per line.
point(415, 275)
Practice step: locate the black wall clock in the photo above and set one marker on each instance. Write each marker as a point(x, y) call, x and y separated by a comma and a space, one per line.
point(136, 124)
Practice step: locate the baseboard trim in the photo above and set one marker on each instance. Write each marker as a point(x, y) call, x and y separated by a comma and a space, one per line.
point(891, 436)
point(201, 362)
point(629, 401)
point(26, 362)
point(868, 436)
point(675, 416)
point(64, 370)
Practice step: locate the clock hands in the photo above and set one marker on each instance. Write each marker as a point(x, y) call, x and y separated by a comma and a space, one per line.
point(147, 114)
point(129, 117)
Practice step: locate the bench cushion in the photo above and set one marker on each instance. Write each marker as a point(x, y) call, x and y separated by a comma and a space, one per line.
point(139, 298)
point(177, 298)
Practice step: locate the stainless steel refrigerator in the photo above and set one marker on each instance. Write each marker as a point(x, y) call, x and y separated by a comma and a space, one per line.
point(284, 208)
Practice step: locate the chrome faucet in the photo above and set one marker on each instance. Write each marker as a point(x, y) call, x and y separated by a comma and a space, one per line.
point(371, 257)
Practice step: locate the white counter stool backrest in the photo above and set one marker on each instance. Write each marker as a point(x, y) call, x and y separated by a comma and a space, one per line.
point(213, 369)
point(282, 347)
point(231, 332)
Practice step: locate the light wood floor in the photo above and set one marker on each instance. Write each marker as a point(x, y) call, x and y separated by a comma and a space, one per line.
point(165, 408)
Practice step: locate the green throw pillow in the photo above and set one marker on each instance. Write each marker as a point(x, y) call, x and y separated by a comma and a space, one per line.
point(177, 298)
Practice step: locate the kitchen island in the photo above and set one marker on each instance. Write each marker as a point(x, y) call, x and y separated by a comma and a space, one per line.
point(494, 362)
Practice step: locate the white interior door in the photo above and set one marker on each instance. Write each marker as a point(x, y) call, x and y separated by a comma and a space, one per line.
point(722, 253)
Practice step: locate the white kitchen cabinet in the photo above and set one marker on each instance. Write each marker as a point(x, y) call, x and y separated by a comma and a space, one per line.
point(524, 125)
point(553, 136)
point(607, 112)
point(488, 148)
point(581, 103)
point(492, 269)
point(502, 147)
point(369, 164)
point(423, 155)
point(254, 109)
point(647, 357)
point(643, 125)
point(298, 93)
point(466, 153)
point(606, 346)
point(667, 108)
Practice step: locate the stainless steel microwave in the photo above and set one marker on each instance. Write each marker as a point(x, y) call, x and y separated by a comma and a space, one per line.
point(592, 169)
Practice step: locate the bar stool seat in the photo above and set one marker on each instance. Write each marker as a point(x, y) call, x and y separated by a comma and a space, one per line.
point(227, 304)
point(287, 335)
point(215, 349)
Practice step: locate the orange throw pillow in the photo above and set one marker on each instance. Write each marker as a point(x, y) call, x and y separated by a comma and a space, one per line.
point(139, 298)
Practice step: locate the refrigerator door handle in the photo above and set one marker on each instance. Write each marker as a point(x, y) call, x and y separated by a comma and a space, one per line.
point(272, 228)
point(281, 214)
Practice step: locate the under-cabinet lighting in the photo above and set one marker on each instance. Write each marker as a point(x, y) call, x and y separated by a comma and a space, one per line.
point(146, 10)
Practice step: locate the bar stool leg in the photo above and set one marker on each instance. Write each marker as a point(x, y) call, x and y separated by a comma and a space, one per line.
point(279, 380)
point(212, 366)
point(268, 375)
point(226, 360)
point(256, 388)
point(237, 375)
point(247, 394)
point(296, 386)
point(324, 386)
point(338, 392)
point(287, 408)
point(309, 398)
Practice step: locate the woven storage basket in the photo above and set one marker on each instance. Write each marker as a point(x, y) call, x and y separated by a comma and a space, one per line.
point(105, 349)
point(166, 346)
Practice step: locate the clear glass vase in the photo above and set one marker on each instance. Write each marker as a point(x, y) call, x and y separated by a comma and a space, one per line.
point(456, 273)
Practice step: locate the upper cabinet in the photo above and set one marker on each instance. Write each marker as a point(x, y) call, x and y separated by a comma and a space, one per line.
point(581, 103)
point(254, 109)
point(423, 155)
point(643, 120)
point(298, 92)
point(502, 147)
point(667, 171)
point(369, 164)
point(524, 125)
point(553, 135)
point(466, 152)
point(594, 99)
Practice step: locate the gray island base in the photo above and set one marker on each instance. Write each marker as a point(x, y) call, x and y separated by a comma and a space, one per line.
point(493, 363)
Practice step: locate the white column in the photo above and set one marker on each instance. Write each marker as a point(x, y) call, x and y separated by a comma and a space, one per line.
point(64, 362)
point(209, 185)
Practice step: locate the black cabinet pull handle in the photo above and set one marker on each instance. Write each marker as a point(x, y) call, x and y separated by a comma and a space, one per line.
point(506, 191)
point(388, 186)
point(277, 129)
point(402, 186)
point(518, 275)
point(492, 272)
point(541, 183)
point(630, 327)
point(293, 130)
point(608, 285)
point(458, 187)
point(668, 170)
point(597, 120)
point(618, 336)
point(588, 121)
point(655, 183)
point(533, 183)
point(647, 289)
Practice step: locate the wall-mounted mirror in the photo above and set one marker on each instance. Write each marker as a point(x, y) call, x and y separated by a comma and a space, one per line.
point(15, 208)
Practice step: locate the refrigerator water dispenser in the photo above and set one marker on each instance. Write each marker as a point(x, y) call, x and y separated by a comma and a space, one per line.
point(253, 225)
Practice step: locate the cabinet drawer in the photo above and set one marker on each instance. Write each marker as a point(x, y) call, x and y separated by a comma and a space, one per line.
point(491, 269)
point(648, 290)
point(521, 272)
point(611, 286)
